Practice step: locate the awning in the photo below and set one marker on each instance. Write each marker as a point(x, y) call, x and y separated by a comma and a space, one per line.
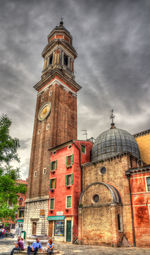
point(21, 220)
point(55, 217)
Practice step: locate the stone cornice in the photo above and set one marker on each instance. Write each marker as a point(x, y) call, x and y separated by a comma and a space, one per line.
point(138, 170)
point(52, 74)
point(58, 42)
point(36, 199)
point(108, 159)
point(142, 133)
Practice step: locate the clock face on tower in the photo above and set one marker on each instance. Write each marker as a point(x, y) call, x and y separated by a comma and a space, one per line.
point(44, 111)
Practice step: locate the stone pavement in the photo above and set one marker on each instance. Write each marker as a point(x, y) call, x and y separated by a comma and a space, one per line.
point(7, 244)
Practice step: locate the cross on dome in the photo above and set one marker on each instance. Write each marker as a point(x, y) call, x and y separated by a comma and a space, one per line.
point(112, 116)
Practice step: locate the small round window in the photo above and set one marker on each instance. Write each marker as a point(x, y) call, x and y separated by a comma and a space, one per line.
point(103, 170)
point(96, 198)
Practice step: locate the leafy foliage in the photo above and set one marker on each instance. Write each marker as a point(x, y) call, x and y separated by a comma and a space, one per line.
point(8, 175)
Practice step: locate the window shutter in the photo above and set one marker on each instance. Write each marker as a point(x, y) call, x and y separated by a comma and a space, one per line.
point(67, 161)
point(19, 214)
point(51, 165)
point(55, 183)
point(52, 204)
point(55, 164)
point(50, 183)
point(72, 159)
point(66, 180)
point(71, 179)
point(69, 202)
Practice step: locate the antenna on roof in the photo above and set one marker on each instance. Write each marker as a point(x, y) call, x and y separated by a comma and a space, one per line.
point(85, 133)
point(112, 116)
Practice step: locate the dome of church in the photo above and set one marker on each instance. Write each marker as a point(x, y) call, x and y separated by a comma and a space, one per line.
point(114, 142)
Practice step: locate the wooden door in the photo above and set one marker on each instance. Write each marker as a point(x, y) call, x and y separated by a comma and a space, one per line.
point(34, 228)
point(50, 231)
point(68, 231)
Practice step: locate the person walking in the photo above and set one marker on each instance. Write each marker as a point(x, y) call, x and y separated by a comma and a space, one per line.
point(35, 246)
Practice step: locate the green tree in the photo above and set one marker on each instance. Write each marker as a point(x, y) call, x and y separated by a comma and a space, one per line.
point(8, 175)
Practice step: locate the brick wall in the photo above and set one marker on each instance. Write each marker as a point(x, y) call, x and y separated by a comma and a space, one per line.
point(115, 176)
point(59, 127)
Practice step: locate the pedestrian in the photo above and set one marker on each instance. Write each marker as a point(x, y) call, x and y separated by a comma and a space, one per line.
point(50, 247)
point(3, 232)
point(0, 232)
point(18, 246)
point(35, 246)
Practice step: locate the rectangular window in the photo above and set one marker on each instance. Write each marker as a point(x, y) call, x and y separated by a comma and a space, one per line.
point(53, 183)
point(69, 160)
point(149, 211)
point(148, 183)
point(59, 228)
point(65, 60)
point(69, 179)
point(44, 171)
point(69, 201)
point(83, 149)
point(53, 165)
point(119, 219)
point(52, 203)
point(51, 59)
point(21, 214)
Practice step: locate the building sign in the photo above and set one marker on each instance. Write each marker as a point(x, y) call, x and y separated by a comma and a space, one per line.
point(55, 217)
point(59, 228)
point(42, 212)
point(59, 213)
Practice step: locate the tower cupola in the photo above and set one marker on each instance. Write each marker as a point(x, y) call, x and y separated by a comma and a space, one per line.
point(59, 52)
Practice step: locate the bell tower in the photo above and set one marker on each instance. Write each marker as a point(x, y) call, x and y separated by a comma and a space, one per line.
point(56, 112)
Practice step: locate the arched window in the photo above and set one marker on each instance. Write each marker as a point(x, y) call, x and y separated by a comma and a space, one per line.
point(20, 201)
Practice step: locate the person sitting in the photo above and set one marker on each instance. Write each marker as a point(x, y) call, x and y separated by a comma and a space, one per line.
point(3, 232)
point(50, 247)
point(18, 246)
point(35, 246)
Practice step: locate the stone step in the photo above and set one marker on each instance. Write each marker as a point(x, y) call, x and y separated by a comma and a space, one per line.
point(40, 253)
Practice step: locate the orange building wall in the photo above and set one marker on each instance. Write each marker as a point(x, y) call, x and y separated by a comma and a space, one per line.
point(62, 191)
point(144, 147)
point(141, 203)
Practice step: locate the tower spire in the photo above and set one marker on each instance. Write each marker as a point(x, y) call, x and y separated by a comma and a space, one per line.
point(61, 21)
point(112, 116)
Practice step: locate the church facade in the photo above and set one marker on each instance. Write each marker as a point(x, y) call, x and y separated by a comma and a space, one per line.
point(79, 191)
point(114, 206)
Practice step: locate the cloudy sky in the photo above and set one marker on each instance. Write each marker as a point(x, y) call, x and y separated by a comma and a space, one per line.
point(112, 38)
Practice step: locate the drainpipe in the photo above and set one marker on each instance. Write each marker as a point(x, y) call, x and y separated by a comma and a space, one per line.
point(133, 228)
point(79, 162)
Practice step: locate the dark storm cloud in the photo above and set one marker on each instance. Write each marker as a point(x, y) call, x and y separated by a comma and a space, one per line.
point(112, 39)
